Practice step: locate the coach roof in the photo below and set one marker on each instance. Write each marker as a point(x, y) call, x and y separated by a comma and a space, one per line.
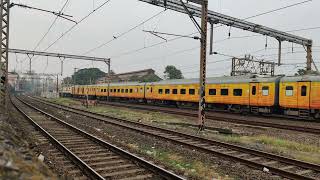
point(218, 80)
point(308, 78)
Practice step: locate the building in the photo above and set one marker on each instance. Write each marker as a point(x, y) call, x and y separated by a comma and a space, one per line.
point(129, 76)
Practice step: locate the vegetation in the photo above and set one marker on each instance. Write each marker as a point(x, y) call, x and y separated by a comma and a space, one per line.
point(87, 76)
point(301, 72)
point(300, 151)
point(171, 72)
point(304, 152)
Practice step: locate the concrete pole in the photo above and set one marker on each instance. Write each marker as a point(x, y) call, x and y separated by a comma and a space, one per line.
point(203, 58)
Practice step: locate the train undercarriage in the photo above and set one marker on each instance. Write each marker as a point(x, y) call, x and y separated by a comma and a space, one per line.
point(242, 109)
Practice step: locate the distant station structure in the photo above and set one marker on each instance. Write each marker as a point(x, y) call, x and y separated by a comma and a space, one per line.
point(248, 65)
point(129, 76)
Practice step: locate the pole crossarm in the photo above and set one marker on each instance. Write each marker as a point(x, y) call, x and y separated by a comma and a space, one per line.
point(216, 18)
point(39, 53)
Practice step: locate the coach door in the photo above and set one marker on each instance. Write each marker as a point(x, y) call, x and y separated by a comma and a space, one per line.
point(304, 95)
point(254, 94)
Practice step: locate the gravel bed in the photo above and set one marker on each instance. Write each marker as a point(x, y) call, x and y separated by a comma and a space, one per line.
point(18, 157)
point(39, 145)
point(124, 138)
point(248, 130)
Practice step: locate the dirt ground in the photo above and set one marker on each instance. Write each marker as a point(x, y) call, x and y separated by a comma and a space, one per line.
point(18, 160)
point(190, 163)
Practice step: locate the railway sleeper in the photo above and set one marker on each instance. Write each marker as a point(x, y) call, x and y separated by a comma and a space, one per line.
point(120, 166)
point(109, 163)
point(138, 177)
point(97, 159)
point(102, 154)
point(124, 173)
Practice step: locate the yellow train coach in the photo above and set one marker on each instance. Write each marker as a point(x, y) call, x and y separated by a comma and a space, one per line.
point(255, 94)
point(300, 96)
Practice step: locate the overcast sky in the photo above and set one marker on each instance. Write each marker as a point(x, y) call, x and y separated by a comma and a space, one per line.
point(27, 27)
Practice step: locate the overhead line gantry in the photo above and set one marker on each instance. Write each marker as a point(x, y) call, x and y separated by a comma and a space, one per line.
point(217, 18)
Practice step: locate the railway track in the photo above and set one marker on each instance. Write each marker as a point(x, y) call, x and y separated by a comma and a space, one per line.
point(274, 164)
point(96, 158)
point(192, 113)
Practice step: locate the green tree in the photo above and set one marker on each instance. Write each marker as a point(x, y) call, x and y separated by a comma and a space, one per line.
point(67, 80)
point(171, 72)
point(87, 76)
point(301, 72)
point(150, 78)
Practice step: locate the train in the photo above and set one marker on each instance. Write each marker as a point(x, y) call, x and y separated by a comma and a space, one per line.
point(297, 96)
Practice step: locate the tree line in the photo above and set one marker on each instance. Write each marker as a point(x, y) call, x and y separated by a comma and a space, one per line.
point(91, 75)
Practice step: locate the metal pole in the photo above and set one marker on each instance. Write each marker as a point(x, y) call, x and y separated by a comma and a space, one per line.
point(211, 39)
point(203, 57)
point(62, 67)
point(4, 48)
point(57, 83)
point(109, 79)
point(309, 59)
point(279, 53)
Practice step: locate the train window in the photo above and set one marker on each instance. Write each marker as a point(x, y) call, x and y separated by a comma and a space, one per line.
point(141, 90)
point(160, 91)
point(182, 91)
point(101, 90)
point(167, 91)
point(118, 90)
point(151, 90)
point(174, 91)
point(192, 91)
point(303, 90)
point(127, 90)
point(237, 92)
point(105, 90)
point(289, 90)
point(131, 90)
point(265, 91)
point(212, 92)
point(254, 90)
point(122, 90)
point(110, 90)
point(224, 92)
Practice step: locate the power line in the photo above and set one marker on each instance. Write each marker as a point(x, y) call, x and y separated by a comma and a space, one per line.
point(72, 27)
point(51, 26)
point(278, 9)
point(124, 33)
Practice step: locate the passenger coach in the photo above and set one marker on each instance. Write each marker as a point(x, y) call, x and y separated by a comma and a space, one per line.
point(300, 96)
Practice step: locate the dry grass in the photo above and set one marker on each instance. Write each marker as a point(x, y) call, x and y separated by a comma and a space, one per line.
point(193, 168)
point(300, 151)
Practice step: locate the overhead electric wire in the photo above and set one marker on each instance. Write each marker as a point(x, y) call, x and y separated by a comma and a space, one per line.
point(278, 9)
point(176, 38)
point(219, 41)
point(51, 26)
point(72, 27)
point(124, 33)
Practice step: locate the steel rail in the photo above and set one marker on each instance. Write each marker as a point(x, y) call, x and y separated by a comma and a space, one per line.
point(70, 155)
point(141, 128)
point(224, 119)
point(154, 168)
